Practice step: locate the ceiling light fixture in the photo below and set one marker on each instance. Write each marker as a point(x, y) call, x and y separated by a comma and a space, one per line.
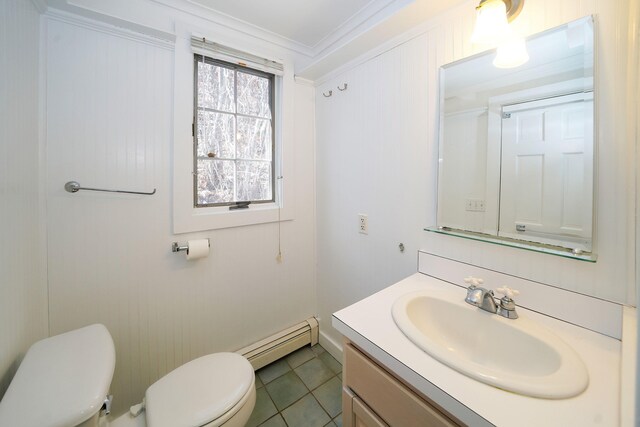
point(491, 23)
point(492, 28)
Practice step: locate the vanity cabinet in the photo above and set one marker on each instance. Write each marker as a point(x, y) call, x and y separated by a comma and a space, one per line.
point(373, 397)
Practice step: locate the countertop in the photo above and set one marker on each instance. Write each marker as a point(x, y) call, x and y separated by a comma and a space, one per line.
point(369, 325)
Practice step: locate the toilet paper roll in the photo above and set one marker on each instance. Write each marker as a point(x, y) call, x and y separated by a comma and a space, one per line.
point(197, 249)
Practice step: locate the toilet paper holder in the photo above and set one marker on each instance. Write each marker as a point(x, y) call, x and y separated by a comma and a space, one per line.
point(176, 247)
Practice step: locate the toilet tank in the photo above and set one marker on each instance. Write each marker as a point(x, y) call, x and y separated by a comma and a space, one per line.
point(62, 381)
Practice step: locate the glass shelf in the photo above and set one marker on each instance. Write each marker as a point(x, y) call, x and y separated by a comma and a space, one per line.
point(503, 241)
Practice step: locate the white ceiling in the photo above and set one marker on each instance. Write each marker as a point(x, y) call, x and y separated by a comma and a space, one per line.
point(307, 22)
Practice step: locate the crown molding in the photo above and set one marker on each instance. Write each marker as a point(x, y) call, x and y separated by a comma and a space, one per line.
point(363, 20)
point(302, 81)
point(368, 45)
point(114, 26)
point(366, 18)
point(219, 18)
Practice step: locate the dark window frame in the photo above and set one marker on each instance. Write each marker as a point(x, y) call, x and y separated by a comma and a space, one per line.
point(198, 58)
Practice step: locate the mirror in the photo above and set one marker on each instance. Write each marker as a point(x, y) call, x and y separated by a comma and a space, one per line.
point(516, 158)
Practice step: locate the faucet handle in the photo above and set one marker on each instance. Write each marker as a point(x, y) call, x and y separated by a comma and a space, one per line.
point(473, 281)
point(508, 292)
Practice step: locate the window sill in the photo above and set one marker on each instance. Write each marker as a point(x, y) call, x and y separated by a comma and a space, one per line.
point(198, 219)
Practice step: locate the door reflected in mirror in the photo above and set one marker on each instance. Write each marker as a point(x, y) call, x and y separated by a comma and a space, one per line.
point(516, 158)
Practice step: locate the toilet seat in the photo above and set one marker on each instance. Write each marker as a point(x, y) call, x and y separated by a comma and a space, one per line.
point(62, 380)
point(210, 388)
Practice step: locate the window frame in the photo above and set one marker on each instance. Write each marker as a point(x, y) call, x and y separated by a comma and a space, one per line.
point(201, 58)
point(188, 219)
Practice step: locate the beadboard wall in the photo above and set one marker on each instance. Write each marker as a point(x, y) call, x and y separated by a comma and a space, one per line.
point(23, 286)
point(109, 125)
point(377, 154)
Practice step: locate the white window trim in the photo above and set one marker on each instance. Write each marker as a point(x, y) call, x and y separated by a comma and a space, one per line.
point(186, 217)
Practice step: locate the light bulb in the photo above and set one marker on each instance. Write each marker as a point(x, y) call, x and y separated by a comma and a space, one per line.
point(492, 26)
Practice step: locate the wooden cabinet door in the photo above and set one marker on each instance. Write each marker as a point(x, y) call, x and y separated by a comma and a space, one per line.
point(355, 413)
point(363, 416)
point(391, 400)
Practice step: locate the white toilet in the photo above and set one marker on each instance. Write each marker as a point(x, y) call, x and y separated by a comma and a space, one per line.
point(64, 380)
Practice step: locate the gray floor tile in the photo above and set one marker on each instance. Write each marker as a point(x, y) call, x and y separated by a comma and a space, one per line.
point(279, 388)
point(306, 412)
point(263, 410)
point(300, 356)
point(273, 371)
point(276, 421)
point(329, 395)
point(331, 362)
point(314, 373)
point(317, 349)
point(286, 389)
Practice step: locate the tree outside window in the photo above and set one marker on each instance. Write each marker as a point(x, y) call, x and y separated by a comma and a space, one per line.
point(233, 134)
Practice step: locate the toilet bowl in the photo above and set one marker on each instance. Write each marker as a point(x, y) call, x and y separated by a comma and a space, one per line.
point(63, 381)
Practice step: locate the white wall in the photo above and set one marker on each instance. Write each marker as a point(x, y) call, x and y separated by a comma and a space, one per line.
point(23, 288)
point(370, 159)
point(109, 124)
point(377, 154)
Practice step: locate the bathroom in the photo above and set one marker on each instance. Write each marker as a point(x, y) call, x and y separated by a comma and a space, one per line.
point(94, 92)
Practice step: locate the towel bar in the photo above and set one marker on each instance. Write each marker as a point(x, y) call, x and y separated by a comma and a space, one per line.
point(74, 187)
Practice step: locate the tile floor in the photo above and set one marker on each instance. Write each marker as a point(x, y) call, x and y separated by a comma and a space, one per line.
point(302, 389)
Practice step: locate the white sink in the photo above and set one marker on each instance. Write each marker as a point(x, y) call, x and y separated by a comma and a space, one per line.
point(515, 355)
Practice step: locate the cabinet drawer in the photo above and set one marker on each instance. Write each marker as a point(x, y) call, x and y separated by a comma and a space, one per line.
point(394, 402)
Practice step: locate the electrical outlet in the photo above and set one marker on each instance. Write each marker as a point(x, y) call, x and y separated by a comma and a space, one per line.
point(474, 205)
point(363, 224)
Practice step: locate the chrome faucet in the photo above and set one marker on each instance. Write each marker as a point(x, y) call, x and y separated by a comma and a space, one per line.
point(480, 297)
point(484, 298)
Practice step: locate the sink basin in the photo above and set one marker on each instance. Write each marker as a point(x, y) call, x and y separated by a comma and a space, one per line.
point(515, 355)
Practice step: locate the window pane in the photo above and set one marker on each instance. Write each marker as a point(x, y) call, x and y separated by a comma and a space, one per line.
point(234, 134)
point(253, 180)
point(216, 135)
point(215, 87)
point(215, 181)
point(253, 95)
point(254, 138)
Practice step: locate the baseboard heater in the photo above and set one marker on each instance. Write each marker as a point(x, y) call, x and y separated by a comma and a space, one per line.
point(282, 343)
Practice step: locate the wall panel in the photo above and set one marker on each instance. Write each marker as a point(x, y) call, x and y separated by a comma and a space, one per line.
point(109, 125)
point(23, 286)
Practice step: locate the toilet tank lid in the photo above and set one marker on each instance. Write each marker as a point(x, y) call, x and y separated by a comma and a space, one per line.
point(62, 380)
point(199, 391)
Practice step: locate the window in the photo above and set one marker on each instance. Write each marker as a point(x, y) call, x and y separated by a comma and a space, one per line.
point(211, 149)
point(234, 135)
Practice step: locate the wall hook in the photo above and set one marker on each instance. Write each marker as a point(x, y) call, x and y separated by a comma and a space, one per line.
point(342, 89)
point(328, 95)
